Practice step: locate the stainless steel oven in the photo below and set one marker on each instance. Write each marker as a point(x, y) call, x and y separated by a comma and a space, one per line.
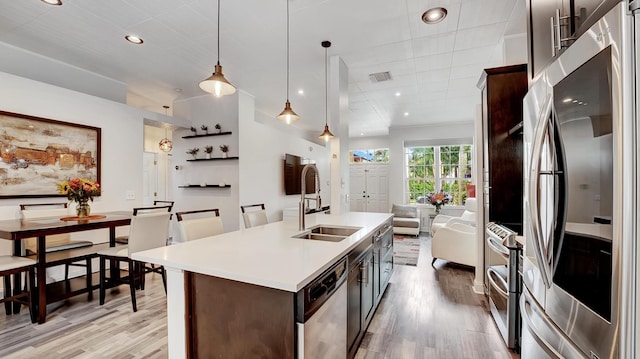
point(505, 283)
point(579, 179)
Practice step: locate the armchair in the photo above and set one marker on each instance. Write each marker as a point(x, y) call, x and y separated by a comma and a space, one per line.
point(468, 217)
point(456, 243)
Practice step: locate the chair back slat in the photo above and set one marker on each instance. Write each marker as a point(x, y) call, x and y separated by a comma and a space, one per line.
point(155, 209)
point(181, 215)
point(248, 206)
point(164, 203)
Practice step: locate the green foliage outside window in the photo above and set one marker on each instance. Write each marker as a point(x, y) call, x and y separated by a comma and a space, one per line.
point(436, 168)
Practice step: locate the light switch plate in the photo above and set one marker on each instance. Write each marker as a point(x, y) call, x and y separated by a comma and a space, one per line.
point(130, 195)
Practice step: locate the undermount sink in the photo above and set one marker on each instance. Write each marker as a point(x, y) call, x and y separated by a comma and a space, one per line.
point(334, 230)
point(327, 233)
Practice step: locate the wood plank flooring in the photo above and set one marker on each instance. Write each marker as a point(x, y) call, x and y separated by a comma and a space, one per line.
point(432, 312)
point(425, 313)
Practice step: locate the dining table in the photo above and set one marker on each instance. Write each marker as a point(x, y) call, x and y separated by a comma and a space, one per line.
point(17, 230)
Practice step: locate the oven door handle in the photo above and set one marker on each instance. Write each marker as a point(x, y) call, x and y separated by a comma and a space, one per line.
point(497, 246)
point(491, 274)
point(534, 191)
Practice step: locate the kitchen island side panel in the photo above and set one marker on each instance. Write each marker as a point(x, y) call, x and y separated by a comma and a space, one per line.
point(230, 319)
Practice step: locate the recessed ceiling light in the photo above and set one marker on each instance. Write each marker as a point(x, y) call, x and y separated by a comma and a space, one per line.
point(434, 16)
point(406, 114)
point(361, 133)
point(568, 99)
point(134, 39)
point(178, 90)
point(52, 2)
point(398, 94)
point(574, 101)
point(301, 92)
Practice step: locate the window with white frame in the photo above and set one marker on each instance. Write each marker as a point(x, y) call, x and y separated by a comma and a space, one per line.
point(378, 155)
point(430, 169)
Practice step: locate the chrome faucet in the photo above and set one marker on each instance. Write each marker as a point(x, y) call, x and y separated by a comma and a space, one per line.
point(303, 194)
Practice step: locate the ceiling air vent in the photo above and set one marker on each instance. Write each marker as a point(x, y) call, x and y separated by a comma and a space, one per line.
point(380, 76)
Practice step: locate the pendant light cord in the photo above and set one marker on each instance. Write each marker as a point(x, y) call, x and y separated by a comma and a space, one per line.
point(326, 87)
point(218, 32)
point(287, 50)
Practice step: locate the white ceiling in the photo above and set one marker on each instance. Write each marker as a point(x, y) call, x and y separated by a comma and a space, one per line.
point(435, 68)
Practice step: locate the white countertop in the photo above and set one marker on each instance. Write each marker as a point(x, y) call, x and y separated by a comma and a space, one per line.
point(266, 255)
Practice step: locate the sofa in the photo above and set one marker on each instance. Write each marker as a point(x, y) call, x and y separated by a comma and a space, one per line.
point(406, 219)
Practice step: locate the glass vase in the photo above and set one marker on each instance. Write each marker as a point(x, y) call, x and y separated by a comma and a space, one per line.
point(82, 208)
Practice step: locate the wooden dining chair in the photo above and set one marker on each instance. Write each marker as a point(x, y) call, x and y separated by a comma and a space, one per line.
point(124, 239)
point(58, 242)
point(203, 223)
point(12, 266)
point(147, 231)
point(254, 215)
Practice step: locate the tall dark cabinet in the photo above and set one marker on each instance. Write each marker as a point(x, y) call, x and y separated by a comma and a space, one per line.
point(503, 89)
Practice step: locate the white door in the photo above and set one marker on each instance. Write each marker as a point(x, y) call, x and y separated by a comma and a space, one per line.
point(377, 175)
point(357, 188)
point(369, 190)
point(149, 178)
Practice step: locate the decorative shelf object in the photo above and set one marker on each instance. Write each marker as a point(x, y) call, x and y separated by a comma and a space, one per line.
point(208, 134)
point(213, 159)
point(207, 186)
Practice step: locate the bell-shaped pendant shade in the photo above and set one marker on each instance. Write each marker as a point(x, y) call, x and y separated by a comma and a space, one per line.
point(326, 134)
point(217, 84)
point(287, 115)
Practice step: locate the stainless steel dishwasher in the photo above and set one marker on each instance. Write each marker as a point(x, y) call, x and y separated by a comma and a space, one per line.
point(321, 315)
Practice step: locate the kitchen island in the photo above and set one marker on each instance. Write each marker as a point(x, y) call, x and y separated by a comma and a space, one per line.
point(235, 293)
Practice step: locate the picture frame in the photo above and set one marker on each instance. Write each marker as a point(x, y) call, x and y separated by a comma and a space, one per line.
point(36, 154)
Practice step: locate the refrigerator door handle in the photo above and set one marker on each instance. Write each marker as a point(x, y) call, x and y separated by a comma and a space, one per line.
point(526, 309)
point(540, 251)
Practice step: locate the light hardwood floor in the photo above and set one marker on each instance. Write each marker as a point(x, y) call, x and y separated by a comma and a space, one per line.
point(426, 313)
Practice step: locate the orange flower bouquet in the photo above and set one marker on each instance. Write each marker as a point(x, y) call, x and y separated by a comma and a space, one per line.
point(80, 190)
point(438, 199)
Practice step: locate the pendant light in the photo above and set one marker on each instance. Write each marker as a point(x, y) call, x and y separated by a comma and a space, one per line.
point(216, 83)
point(288, 115)
point(165, 144)
point(326, 134)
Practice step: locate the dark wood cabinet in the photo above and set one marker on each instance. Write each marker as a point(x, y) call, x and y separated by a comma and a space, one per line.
point(503, 90)
point(553, 25)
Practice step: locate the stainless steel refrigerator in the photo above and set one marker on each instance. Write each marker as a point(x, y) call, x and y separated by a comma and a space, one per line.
point(580, 167)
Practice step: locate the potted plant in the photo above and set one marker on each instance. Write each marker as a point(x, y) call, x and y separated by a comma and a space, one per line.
point(218, 127)
point(193, 152)
point(205, 129)
point(194, 130)
point(208, 150)
point(224, 149)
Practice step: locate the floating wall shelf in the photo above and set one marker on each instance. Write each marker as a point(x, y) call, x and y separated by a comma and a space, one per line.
point(208, 134)
point(207, 186)
point(213, 159)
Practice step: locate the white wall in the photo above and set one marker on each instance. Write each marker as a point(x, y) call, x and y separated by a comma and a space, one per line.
point(396, 140)
point(207, 110)
point(122, 141)
point(262, 150)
